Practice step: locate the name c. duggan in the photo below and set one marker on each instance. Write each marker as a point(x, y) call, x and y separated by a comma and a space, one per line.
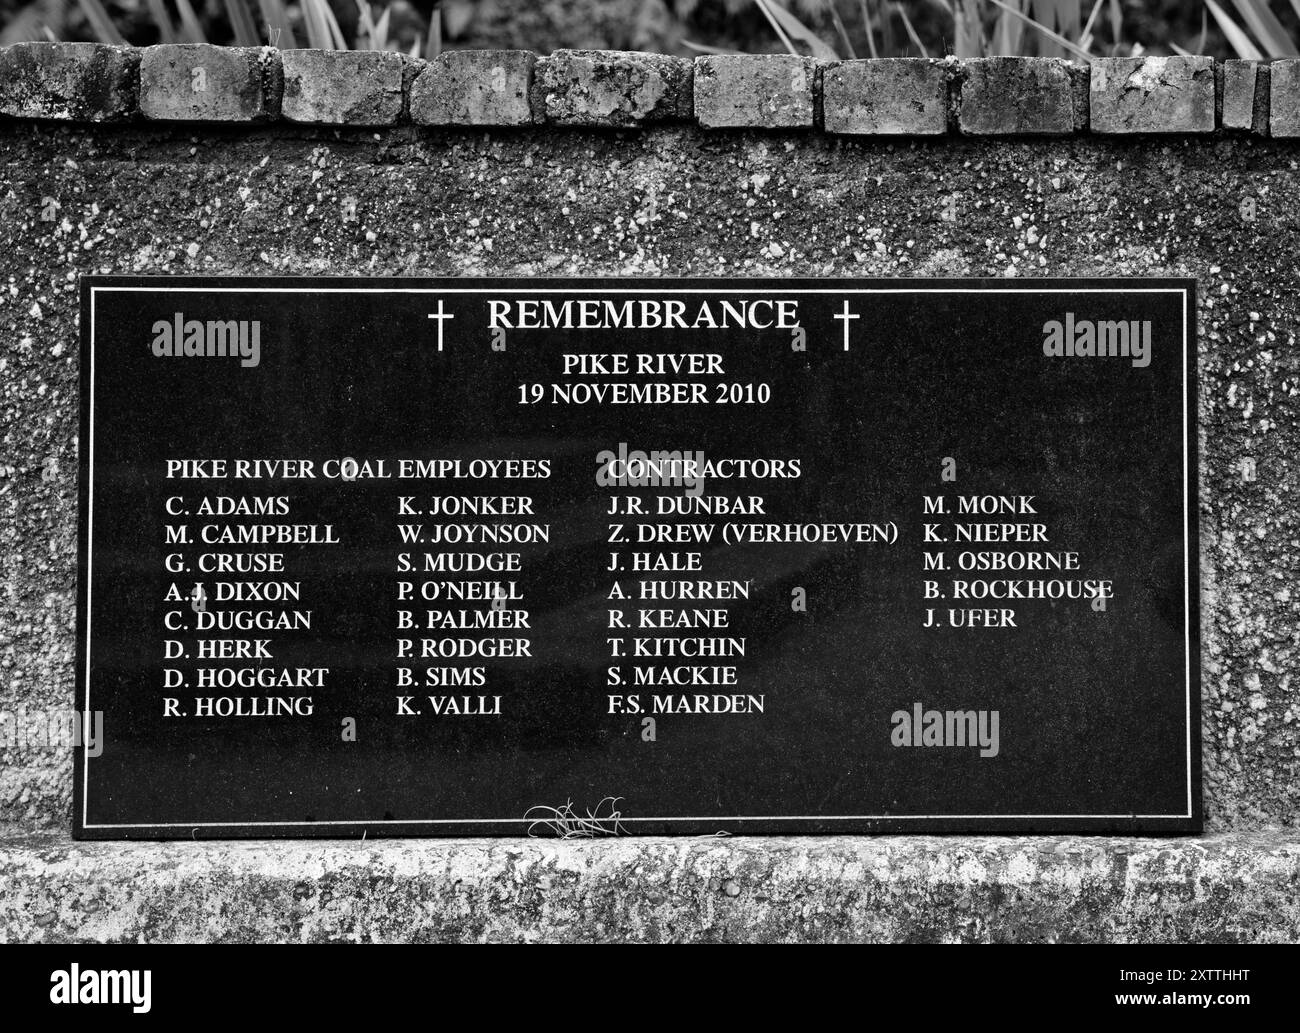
point(179, 337)
point(1103, 339)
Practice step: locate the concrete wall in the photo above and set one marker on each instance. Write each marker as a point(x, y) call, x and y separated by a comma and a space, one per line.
point(666, 182)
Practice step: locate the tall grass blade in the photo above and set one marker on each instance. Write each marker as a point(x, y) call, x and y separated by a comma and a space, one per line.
point(279, 29)
point(1068, 45)
point(100, 23)
point(798, 30)
point(1233, 33)
point(191, 29)
point(776, 26)
point(1265, 27)
point(870, 29)
point(162, 21)
point(242, 24)
point(910, 29)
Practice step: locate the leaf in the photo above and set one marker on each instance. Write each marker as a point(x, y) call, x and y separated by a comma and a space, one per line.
point(1072, 47)
point(242, 24)
point(279, 28)
point(162, 21)
point(100, 23)
point(1265, 27)
point(911, 29)
point(190, 27)
point(798, 30)
point(1237, 39)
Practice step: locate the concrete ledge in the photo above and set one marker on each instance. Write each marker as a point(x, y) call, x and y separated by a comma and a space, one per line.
point(73, 82)
point(356, 87)
point(611, 88)
point(1214, 889)
point(1152, 95)
point(1284, 98)
point(474, 88)
point(770, 91)
point(1000, 96)
point(906, 96)
point(1007, 96)
point(196, 82)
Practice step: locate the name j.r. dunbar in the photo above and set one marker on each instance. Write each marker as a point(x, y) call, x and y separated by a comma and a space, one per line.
point(179, 337)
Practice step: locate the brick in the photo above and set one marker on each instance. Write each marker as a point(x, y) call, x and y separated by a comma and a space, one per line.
point(195, 82)
point(474, 88)
point(1016, 96)
point(1284, 98)
point(773, 91)
point(342, 87)
point(1152, 95)
point(902, 96)
point(611, 88)
point(78, 82)
point(1239, 94)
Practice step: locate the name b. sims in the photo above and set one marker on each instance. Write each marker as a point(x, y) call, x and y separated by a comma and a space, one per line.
point(1101, 339)
point(179, 337)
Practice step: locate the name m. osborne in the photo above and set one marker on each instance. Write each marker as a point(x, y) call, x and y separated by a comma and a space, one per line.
point(643, 314)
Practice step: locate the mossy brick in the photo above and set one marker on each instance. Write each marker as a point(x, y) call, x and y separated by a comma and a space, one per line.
point(474, 88)
point(1016, 96)
point(611, 88)
point(342, 87)
point(903, 96)
point(74, 82)
point(1152, 95)
point(1284, 98)
point(770, 91)
point(1239, 78)
point(195, 82)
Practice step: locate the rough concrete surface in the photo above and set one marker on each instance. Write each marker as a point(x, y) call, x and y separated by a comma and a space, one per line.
point(901, 96)
point(79, 82)
point(1153, 95)
point(896, 889)
point(474, 87)
point(611, 88)
point(355, 87)
point(1013, 96)
point(663, 201)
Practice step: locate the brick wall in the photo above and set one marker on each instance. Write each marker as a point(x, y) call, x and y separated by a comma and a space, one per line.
point(998, 96)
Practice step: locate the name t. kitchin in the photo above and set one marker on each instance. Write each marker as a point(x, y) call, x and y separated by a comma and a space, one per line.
point(179, 337)
point(1104, 339)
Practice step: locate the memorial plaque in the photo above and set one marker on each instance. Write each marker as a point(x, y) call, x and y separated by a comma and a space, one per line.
point(621, 556)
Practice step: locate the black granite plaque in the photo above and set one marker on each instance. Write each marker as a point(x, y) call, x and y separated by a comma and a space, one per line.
point(589, 557)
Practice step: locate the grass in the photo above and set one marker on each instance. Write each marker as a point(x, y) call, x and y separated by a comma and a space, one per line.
point(828, 29)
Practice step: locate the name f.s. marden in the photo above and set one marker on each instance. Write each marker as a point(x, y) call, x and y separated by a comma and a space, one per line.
point(1073, 338)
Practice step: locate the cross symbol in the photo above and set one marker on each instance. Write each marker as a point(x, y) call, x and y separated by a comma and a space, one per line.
point(441, 317)
point(845, 316)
